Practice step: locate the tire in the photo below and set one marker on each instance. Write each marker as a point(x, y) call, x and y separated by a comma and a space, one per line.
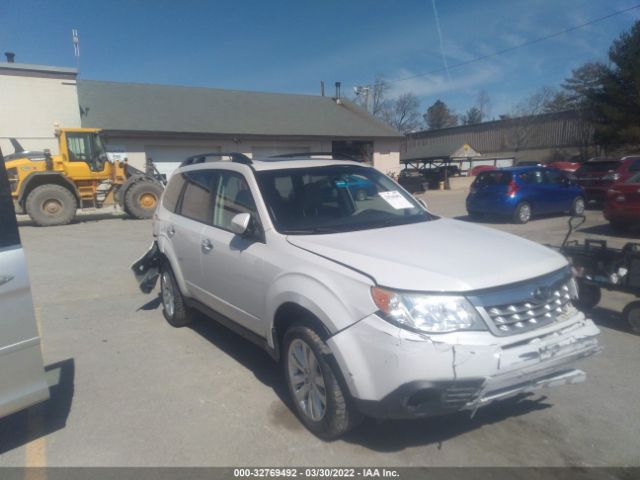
point(522, 213)
point(337, 417)
point(588, 296)
point(631, 315)
point(475, 215)
point(174, 308)
point(578, 206)
point(361, 195)
point(50, 205)
point(142, 198)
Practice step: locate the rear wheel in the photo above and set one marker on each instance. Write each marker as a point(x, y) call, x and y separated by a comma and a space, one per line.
point(50, 205)
point(578, 206)
point(142, 198)
point(522, 213)
point(318, 398)
point(631, 314)
point(174, 308)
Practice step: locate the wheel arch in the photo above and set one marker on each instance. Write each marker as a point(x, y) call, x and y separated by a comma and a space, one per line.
point(46, 178)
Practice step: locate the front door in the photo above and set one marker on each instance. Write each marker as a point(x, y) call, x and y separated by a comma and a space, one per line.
point(22, 380)
point(232, 265)
point(87, 156)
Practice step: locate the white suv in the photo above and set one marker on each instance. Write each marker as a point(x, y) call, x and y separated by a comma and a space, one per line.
point(372, 304)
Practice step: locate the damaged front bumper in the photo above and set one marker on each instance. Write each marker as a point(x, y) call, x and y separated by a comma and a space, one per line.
point(394, 373)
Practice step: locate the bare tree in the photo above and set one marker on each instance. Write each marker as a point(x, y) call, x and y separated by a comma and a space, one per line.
point(403, 114)
point(483, 103)
point(524, 116)
point(473, 116)
point(373, 98)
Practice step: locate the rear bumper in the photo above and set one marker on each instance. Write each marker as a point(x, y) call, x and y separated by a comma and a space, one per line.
point(392, 373)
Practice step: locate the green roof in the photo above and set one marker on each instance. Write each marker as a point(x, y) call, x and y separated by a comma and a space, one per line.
point(163, 108)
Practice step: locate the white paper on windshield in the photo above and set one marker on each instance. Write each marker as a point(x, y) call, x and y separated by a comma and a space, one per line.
point(395, 199)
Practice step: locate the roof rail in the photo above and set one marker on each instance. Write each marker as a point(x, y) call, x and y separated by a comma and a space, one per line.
point(214, 156)
point(331, 155)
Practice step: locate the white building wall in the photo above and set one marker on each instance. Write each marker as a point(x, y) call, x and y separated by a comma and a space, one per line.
point(30, 108)
point(386, 155)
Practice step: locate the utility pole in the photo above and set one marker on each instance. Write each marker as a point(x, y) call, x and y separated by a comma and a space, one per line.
point(363, 89)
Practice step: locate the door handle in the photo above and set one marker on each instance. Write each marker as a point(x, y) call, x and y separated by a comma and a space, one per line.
point(171, 231)
point(5, 279)
point(206, 244)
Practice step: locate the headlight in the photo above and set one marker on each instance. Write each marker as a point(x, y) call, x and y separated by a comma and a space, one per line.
point(427, 313)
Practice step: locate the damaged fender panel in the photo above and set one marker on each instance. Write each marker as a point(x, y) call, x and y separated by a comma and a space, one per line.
point(384, 358)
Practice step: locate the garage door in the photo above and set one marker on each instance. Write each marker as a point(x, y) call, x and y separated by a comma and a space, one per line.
point(262, 152)
point(168, 158)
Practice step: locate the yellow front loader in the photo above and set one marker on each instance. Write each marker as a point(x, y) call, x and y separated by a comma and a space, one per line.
point(51, 188)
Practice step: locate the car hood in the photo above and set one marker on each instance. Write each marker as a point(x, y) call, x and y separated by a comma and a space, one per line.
point(441, 255)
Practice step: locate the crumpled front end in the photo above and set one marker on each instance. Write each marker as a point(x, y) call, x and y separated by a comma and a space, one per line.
point(395, 373)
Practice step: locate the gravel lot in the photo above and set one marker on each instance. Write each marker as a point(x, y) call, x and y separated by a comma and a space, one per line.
point(133, 391)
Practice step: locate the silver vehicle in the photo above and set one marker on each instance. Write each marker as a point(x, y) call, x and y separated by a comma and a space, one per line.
point(22, 378)
point(373, 305)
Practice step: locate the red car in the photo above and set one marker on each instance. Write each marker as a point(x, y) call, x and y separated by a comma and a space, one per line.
point(622, 206)
point(570, 167)
point(597, 175)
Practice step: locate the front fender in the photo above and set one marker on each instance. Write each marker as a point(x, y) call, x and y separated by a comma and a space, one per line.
point(336, 302)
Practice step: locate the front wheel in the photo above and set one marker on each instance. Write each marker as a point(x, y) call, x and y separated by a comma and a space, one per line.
point(319, 400)
point(631, 314)
point(50, 205)
point(522, 213)
point(578, 206)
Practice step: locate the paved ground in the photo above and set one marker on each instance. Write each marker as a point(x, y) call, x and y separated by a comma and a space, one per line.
point(134, 391)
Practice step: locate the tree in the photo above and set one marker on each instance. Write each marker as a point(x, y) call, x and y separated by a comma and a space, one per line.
point(438, 115)
point(614, 96)
point(473, 116)
point(523, 116)
point(373, 98)
point(403, 115)
point(484, 104)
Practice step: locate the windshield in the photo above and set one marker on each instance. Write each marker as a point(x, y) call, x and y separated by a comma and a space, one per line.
point(598, 167)
point(336, 198)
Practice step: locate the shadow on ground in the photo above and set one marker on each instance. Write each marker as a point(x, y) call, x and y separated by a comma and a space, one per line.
point(605, 317)
point(45, 418)
point(607, 230)
point(25, 221)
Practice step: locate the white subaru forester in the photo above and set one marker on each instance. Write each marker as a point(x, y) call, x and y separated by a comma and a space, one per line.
point(373, 305)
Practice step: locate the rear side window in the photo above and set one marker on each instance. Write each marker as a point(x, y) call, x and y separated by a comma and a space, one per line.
point(172, 192)
point(8, 225)
point(554, 176)
point(532, 177)
point(493, 178)
point(197, 203)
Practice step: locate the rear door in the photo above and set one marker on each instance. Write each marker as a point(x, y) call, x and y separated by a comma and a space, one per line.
point(558, 193)
point(22, 380)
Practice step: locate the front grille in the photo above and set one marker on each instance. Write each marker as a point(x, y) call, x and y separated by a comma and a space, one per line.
point(518, 317)
point(456, 397)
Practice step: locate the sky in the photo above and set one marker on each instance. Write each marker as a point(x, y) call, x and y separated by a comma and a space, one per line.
point(290, 46)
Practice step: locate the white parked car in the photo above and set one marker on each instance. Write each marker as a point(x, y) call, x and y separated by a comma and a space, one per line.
point(22, 378)
point(372, 304)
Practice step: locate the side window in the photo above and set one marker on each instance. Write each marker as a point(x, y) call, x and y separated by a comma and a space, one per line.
point(172, 192)
point(8, 225)
point(554, 177)
point(533, 177)
point(635, 166)
point(233, 197)
point(197, 198)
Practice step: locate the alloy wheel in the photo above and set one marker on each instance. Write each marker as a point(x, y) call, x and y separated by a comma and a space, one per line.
point(168, 294)
point(307, 381)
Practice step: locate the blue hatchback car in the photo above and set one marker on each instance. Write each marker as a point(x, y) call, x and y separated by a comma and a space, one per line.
point(520, 192)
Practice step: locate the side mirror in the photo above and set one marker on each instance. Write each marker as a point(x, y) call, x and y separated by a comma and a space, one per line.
point(240, 223)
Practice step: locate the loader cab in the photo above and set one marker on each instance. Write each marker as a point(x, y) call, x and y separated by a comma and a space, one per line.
point(83, 148)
